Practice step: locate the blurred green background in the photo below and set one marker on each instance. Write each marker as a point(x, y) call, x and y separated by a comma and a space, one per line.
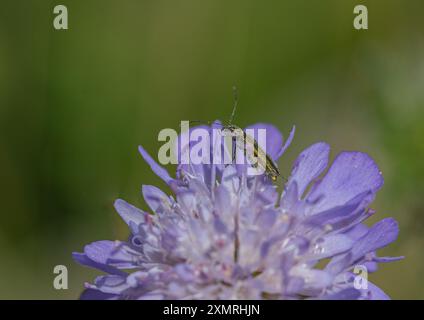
point(75, 104)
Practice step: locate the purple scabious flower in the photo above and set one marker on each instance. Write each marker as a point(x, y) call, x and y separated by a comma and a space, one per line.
point(226, 235)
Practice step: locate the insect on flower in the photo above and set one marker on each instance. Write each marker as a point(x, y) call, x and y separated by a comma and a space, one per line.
point(225, 234)
point(255, 155)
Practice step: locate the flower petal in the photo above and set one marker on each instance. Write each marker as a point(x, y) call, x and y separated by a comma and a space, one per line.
point(129, 213)
point(387, 259)
point(82, 259)
point(156, 199)
point(358, 231)
point(379, 235)
point(314, 280)
point(94, 294)
point(112, 284)
point(309, 165)
point(345, 294)
point(331, 245)
point(114, 253)
point(351, 174)
point(287, 143)
point(157, 169)
point(375, 293)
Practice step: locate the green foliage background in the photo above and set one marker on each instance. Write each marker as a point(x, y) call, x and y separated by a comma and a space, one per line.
point(75, 104)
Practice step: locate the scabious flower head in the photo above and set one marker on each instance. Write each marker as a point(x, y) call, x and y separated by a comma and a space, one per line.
point(226, 235)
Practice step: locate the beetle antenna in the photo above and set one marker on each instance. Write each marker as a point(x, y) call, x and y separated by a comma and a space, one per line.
point(235, 97)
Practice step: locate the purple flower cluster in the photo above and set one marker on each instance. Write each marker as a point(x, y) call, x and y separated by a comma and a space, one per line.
point(226, 235)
